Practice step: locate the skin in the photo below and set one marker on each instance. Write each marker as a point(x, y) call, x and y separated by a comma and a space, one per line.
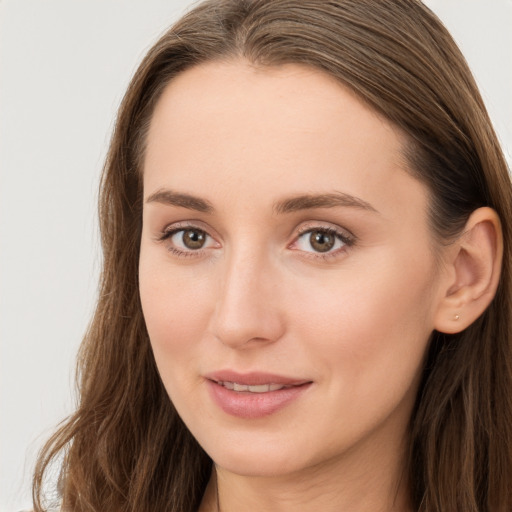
point(355, 321)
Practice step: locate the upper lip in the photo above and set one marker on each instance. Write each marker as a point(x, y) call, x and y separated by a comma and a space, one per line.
point(254, 378)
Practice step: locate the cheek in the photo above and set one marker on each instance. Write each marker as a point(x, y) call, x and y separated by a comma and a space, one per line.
point(369, 328)
point(176, 308)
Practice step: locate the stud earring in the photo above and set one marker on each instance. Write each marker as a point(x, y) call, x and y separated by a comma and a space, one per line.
point(456, 317)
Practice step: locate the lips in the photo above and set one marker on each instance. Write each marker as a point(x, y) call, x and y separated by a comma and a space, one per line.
point(253, 395)
point(257, 388)
point(254, 378)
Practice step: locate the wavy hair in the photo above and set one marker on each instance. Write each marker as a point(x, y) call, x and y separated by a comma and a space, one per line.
point(125, 448)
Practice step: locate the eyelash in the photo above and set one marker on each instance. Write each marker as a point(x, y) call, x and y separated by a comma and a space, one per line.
point(347, 240)
point(169, 232)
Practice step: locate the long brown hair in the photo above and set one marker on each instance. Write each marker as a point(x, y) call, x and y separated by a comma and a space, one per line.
point(125, 448)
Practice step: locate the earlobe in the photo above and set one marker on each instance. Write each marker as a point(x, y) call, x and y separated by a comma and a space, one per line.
point(473, 275)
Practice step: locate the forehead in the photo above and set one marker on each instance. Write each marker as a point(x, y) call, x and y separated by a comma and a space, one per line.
point(288, 102)
point(271, 131)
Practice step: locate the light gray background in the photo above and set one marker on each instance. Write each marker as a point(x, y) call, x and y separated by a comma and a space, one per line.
point(64, 66)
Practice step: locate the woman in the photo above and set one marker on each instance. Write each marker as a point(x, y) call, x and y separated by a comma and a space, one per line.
point(306, 292)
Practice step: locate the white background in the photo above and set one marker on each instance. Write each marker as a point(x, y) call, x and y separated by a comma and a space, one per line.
point(64, 66)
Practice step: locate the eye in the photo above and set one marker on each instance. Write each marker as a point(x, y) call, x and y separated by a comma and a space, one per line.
point(187, 240)
point(191, 239)
point(321, 240)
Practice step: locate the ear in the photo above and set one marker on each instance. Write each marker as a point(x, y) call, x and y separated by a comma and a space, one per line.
point(473, 271)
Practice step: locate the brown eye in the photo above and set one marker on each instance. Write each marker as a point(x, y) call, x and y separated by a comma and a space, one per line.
point(193, 238)
point(322, 241)
point(188, 241)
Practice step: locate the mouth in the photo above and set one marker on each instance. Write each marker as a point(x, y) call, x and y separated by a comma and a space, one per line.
point(256, 394)
point(255, 388)
point(254, 382)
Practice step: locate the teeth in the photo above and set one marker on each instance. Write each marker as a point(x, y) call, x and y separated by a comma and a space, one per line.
point(262, 388)
point(259, 388)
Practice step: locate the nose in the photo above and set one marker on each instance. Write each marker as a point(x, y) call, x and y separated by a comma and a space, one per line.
point(248, 312)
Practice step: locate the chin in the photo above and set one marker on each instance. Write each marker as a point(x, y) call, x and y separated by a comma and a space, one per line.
point(255, 466)
point(269, 458)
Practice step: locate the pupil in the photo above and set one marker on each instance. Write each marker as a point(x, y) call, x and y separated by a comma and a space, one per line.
point(321, 241)
point(193, 239)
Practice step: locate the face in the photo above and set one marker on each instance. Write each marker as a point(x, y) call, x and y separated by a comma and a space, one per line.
point(287, 276)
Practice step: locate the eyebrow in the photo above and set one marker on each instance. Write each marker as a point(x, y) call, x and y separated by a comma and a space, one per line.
point(182, 200)
point(332, 200)
point(290, 205)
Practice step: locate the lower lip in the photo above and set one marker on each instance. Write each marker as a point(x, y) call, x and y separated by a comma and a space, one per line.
point(253, 405)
